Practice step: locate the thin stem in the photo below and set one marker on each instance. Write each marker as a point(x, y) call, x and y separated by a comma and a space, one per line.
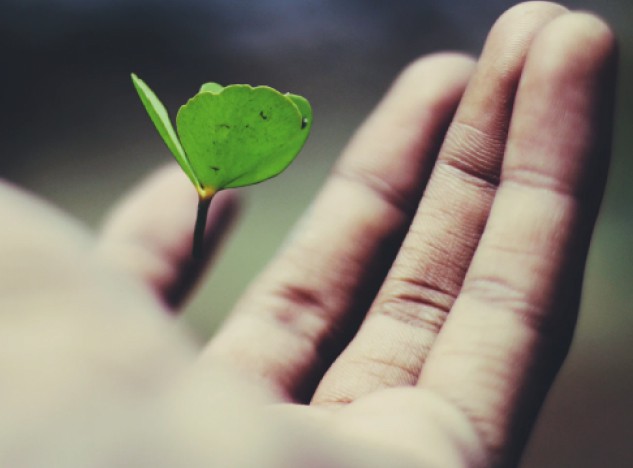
point(199, 229)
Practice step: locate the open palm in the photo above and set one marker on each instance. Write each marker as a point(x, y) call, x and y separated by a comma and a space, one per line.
point(417, 316)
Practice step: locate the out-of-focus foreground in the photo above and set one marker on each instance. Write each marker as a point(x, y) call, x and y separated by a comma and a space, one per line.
point(74, 132)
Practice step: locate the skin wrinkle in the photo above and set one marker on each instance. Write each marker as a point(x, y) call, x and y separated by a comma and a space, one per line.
point(431, 238)
point(473, 153)
point(392, 365)
point(413, 311)
point(403, 305)
point(378, 188)
point(532, 178)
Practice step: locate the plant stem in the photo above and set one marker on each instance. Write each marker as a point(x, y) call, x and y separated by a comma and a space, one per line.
point(199, 229)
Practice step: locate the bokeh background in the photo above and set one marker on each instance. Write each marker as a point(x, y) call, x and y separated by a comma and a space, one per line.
point(72, 130)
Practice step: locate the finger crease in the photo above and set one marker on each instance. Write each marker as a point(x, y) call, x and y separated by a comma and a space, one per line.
point(425, 308)
point(379, 367)
point(384, 190)
point(300, 296)
point(500, 292)
point(474, 154)
point(470, 173)
point(415, 312)
point(535, 179)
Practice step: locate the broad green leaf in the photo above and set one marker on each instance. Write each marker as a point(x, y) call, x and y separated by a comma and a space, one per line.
point(230, 137)
point(160, 118)
point(242, 135)
point(214, 88)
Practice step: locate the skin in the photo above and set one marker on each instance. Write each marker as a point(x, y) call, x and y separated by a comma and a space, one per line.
point(417, 316)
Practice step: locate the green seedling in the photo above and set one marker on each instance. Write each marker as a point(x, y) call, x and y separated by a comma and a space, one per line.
point(230, 137)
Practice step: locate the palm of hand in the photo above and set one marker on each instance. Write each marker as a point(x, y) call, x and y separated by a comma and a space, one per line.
point(353, 316)
point(98, 367)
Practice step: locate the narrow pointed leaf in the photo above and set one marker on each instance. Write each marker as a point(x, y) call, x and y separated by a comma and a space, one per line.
point(160, 118)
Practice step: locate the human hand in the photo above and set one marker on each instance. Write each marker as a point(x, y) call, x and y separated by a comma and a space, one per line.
point(410, 321)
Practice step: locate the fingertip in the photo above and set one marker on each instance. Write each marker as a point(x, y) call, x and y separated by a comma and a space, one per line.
point(524, 14)
point(572, 67)
point(580, 40)
point(510, 37)
point(460, 63)
point(433, 79)
point(424, 95)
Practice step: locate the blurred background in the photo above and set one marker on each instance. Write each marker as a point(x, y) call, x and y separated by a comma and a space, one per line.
point(73, 130)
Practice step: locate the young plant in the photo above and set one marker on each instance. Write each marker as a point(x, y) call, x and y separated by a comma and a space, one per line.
point(230, 137)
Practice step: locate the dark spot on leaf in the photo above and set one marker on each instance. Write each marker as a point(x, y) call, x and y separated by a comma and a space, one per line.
point(224, 126)
point(304, 123)
point(215, 168)
point(263, 116)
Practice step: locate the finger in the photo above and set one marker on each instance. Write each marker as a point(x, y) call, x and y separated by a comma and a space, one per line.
point(391, 346)
point(510, 328)
point(149, 233)
point(298, 315)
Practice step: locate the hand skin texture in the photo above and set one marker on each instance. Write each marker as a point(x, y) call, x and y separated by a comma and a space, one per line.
point(417, 316)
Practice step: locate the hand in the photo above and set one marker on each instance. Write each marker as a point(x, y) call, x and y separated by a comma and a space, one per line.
point(417, 317)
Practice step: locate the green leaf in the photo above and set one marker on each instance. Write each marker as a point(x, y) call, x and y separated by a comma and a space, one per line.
point(304, 108)
point(230, 137)
point(214, 88)
point(242, 135)
point(160, 118)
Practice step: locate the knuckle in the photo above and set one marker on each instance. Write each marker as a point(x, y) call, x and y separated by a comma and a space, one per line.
point(534, 178)
point(502, 294)
point(475, 154)
point(416, 303)
point(382, 188)
point(295, 308)
point(300, 296)
point(389, 369)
